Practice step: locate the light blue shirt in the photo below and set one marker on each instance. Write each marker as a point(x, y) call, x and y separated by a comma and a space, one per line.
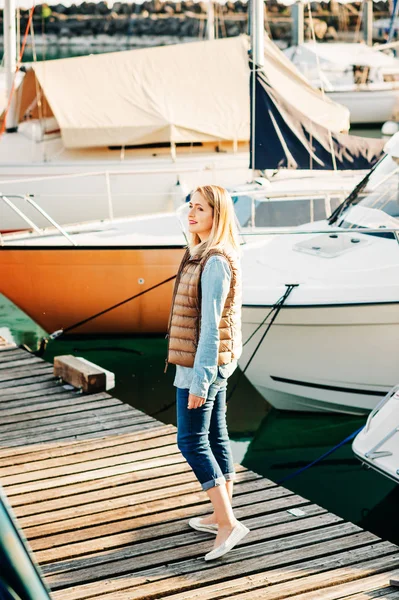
point(203, 377)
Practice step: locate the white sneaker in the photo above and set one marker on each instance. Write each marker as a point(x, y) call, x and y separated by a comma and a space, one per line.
point(197, 524)
point(238, 533)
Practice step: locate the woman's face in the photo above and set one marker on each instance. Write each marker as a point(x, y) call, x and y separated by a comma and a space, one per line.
point(200, 217)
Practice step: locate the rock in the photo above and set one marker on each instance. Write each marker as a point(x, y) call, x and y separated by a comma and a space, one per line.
point(102, 9)
point(58, 8)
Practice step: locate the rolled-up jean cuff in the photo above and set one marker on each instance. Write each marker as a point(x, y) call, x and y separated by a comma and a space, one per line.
point(230, 476)
point(213, 483)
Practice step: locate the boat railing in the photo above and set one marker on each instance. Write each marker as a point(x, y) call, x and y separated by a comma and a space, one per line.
point(256, 197)
point(379, 406)
point(29, 200)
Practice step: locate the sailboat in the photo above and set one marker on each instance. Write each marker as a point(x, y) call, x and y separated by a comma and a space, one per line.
point(63, 276)
point(178, 116)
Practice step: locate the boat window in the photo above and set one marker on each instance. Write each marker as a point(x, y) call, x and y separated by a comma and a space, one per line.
point(390, 77)
point(280, 211)
point(361, 74)
point(243, 209)
point(377, 204)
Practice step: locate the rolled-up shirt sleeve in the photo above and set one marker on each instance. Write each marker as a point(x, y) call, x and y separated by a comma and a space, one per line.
point(215, 285)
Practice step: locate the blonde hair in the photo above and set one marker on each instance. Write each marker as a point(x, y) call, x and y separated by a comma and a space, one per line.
point(224, 232)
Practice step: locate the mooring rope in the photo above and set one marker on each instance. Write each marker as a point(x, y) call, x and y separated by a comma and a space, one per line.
point(276, 309)
point(317, 460)
point(56, 334)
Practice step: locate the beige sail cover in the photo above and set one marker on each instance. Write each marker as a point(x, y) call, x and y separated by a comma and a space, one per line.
point(194, 92)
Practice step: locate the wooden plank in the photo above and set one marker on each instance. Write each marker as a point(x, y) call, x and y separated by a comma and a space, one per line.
point(168, 531)
point(27, 419)
point(79, 374)
point(37, 461)
point(11, 351)
point(381, 592)
point(45, 485)
point(96, 430)
point(194, 578)
point(37, 396)
point(137, 492)
point(394, 579)
point(78, 417)
point(15, 392)
point(43, 476)
point(129, 512)
point(56, 398)
point(117, 588)
point(142, 521)
point(49, 424)
point(27, 380)
point(174, 541)
point(14, 375)
point(126, 501)
point(73, 448)
point(275, 569)
point(361, 575)
point(100, 484)
point(21, 362)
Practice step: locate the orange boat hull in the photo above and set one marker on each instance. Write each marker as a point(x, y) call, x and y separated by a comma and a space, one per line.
point(58, 287)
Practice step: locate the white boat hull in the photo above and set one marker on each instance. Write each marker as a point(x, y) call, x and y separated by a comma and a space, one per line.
point(75, 193)
point(377, 445)
point(323, 358)
point(368, 106)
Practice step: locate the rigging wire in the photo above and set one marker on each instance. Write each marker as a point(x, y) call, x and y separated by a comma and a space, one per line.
point(313, 36)
point(276, 309)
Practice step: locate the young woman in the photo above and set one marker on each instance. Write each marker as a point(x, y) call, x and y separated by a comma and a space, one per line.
point(205, 343)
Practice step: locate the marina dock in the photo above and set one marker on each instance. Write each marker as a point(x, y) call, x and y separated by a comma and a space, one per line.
point(103, 496)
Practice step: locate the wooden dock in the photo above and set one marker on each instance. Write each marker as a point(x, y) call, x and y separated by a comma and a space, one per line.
point(103, 496)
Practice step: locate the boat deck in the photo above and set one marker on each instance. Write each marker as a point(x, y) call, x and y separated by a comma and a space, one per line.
point(103, 497)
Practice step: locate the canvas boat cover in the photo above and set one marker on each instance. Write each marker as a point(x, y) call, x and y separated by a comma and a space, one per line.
point(193, 92)
point(286, 138)
point(341, 55)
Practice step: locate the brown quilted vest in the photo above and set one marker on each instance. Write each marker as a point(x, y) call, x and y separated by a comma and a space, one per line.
point(185, 315)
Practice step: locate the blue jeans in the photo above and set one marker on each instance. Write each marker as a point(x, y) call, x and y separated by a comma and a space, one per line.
point(203, 439)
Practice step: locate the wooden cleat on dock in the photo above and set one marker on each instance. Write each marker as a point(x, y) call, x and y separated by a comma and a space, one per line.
point(82, 374)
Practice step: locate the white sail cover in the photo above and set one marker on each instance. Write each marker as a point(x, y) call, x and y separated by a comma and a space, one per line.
point(194, 92)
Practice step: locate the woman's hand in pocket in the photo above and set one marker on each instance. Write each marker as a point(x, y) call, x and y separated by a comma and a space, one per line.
point(195, 401)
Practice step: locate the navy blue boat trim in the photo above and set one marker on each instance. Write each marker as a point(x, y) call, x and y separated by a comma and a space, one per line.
point(334, 388)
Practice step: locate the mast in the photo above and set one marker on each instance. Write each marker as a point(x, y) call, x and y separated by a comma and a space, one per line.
point(368, 22)
point(10, 60)
point(257, 26)
point(210, 24)
point(297, 14)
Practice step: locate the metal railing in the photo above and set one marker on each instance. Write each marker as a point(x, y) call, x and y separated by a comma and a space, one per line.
point(30, 201)
point(258, 196)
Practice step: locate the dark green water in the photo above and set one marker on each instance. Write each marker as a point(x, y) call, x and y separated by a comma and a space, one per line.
point(273, 443)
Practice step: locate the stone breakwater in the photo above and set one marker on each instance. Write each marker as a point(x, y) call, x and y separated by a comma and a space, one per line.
point(187, 19)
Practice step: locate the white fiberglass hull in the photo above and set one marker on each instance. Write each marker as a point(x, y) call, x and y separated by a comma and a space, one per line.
point(368, 105)
point(74, 192)
point(377, 445)
point(329, 358)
